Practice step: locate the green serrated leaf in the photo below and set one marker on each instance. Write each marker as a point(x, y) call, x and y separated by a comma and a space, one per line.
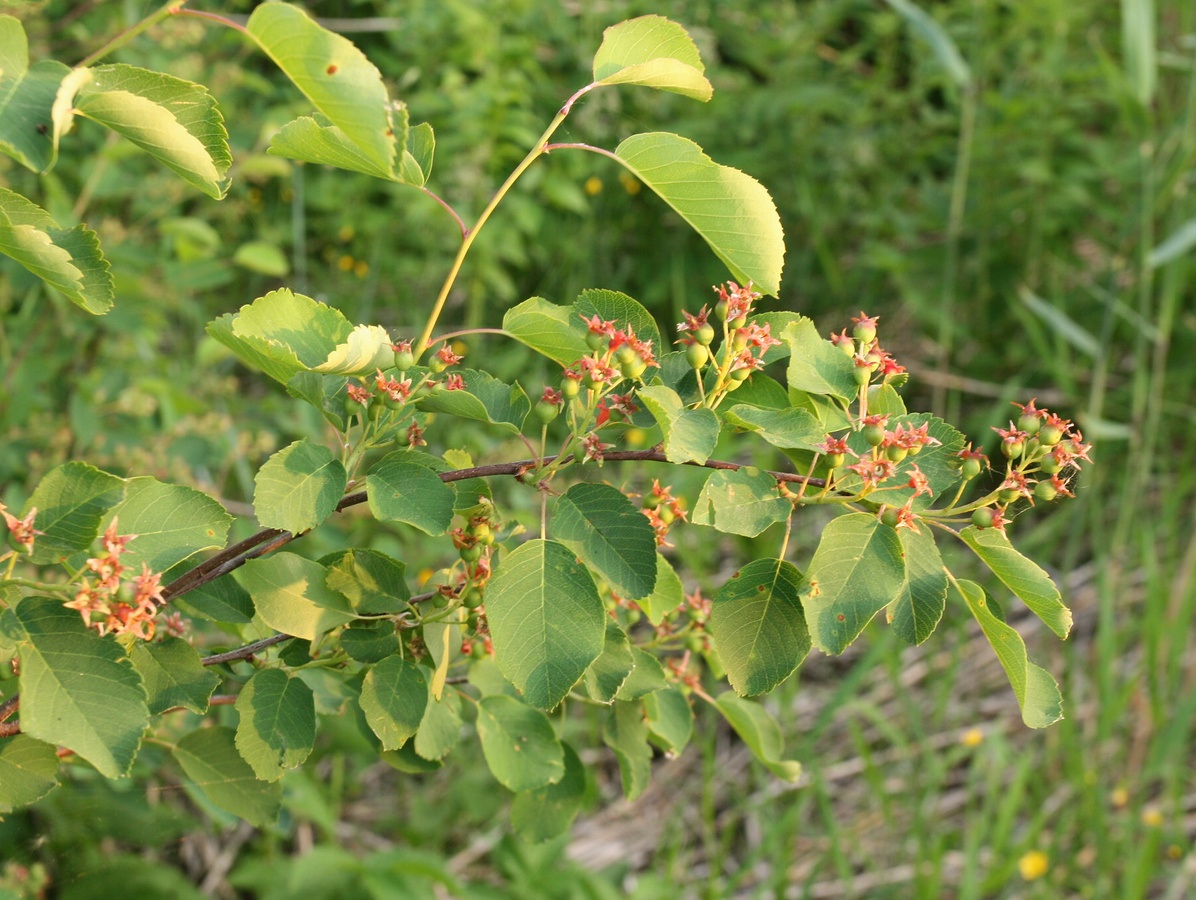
point(28, 770)
point(1025, 578)
point(923, 596)
point(730, 210)
point(760, 731)
point(315, 139)
point(546, 620)
point(484, 399)
point(68, 260)
point(817, 366)
point(416, 164)
point(298, 487)
point(647, 677)
point(654, 52)
point(519, 744)
point(366, 350)
point(26, 100)
point(332, 73)
point(608, 531)
point(625, 311)
point(400, 490)
point(1036, 691)
point(758, 626)
point(78, 689)
point(175, 121)
point(209, 758)
point(290, 595)
point(440, 728)
point(669, 718)
point(555, 331)
point(394, 697)
point(373, 583)
point(278, 723)
point(625, 732)
point(857, 570)
point(222, 600)
point(172, 523)
point(667, 594)
point(174, 675)
point(786, 428)
point(71, 501)
point(607, 673)
point(744, 502)
point(547, 812)
point(689, 434)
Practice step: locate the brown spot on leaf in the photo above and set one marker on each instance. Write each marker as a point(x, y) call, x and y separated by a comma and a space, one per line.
point(841, 617)
point(332, 69)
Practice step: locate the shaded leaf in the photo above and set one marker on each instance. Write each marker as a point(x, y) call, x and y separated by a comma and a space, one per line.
point(372, 582)
point(608, 531)
point(615, 306)
point(315, 139)
point(548, 811)
point(278, 723)
point(546, 620)
point(394, 697)
point(209, 758)
point(484, 399)
point(667, 594)
point(26, 100)
point(71, 501)
point(400, 490)
point(669, 718)
point(172, 523)
point(923, 595)
point(646, 678)
point(555, 331)
point(760, 731)
point(519, 744)
point(28, 770)
point(625, 732)
point(817, 366)
point(440, 728)
point(607, 673)
point(787, 428)
point(174, 675)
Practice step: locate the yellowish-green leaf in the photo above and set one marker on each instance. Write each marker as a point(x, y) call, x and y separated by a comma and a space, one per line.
point(654, 52)
point(211, 762)
point(26, 100)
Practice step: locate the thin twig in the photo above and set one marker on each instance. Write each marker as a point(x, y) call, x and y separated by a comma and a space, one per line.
point(246, 651)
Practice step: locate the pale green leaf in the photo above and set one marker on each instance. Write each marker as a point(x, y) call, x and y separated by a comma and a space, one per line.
point(547, 812)
point(68, 260)
point(667, 594)
point(625, 732)
point(760, 731)
point(745, 502)
point(440, 728)
point(857, 570)
point(394, 697)
point(519, 744)
point(1023, 576)
point(416, 164)
point(940, 43)
point(646, 678)
point(923, 596)
point(78, 689)
point(366, 350)
point(730, 210)
point(278, 723)
point(546, 620)
point(315, 139)
point(484, 399)
point(817, 366)
point(26, 100)
point(654, 52)
point(298, 487)
point(332, 73)
point(71, 501)
point(608, 531)
point(263, 257)
point(689, 434)
point(28, 769)
point(669, 718)
point(172, 523)
point(290, 596)
point(209, 758)
point(175, 121)
point(607, 673)
point(1036, 691)
point(758, 626)
point(787, 428)
point(373, 583)
point(400, 490)
point(1176, 245)
point(555, 331)
point(174, 675)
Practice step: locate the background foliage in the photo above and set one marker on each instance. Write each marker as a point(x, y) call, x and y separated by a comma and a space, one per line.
point(1023, 226)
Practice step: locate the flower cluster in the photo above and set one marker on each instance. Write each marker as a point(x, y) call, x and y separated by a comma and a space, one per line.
point(113, 604)
point(745, 344)
point(662, 510)
point(863, 346)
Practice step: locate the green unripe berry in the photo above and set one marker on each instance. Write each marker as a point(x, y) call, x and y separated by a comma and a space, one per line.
point(1050, 465)
point(477, 650)
point(847, 346)
point(738, 341)
point(739, 375)
point(437, 365)
point(404, 360)
point(1013, 449)
point(546, 411)
point(482, 532)
point(697, 355)
point(472, 598)
point(1044, 490)
point(652, 500)
point(352, 407)
point(570, 388)
point(1008, 495)
point(862, 375)
point(983, 517)
point(833, 460)
point(472, 553)
point(889, 517)
point(874, 435)
point(375, 409)
point(738, 322)
point(393, 403)
point(439, 601)
point(1029, 423)
point(633, 616)
point(694, 642)
point(864, 333)
point(720, 310)
point(970, 468)
point(626, 354)
point(634, 368)
point(894, 453)
point(1050, 435)
point(704, 334)
point(596, 341)
point(666, 514)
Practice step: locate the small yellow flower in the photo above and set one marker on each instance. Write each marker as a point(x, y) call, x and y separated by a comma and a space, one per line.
point(1120, 797)
point(361, 268)
point(1175, 851)
point(593, 185)
point(424, 575)
point(346, 233)
point(973, 737)
point(345, 263)
point(1033, 865)
point(631, 184)
point(1151, 817)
